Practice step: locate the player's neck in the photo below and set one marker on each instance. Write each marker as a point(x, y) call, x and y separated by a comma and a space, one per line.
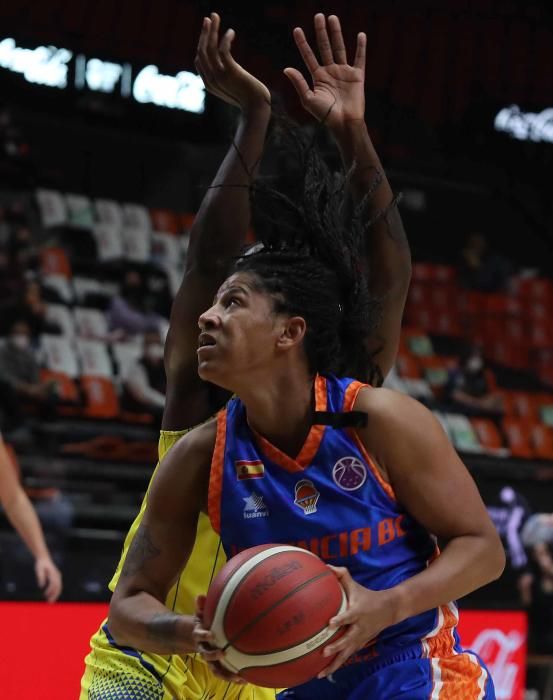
point(281, 410)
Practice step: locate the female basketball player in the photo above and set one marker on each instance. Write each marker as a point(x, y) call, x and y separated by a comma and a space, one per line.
point(217, 236)
point(285, 331)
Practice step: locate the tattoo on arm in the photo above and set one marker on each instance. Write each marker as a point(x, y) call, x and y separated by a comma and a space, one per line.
point(163, 627)
point(142, 549)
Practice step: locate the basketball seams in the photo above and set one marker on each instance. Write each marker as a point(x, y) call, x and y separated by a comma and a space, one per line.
point(275, 605)
point(230, 587)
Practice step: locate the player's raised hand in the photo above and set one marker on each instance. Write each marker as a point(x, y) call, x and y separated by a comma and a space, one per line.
point(367, 614)
point(205, 644)
point(337, 92)
point(222, 75)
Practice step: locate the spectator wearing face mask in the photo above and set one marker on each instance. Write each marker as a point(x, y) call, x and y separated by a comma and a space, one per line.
point(144, 383)
point(128, 312)
point(471, 386)
point(20, 383)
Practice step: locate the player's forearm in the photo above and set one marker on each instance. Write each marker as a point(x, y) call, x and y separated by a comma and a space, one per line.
point(466, 564)
point(223, 219)
point(386, 241)
point(23, 517)
point(142, 622)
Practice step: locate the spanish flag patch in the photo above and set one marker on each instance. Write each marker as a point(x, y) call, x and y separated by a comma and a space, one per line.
point(246, 469)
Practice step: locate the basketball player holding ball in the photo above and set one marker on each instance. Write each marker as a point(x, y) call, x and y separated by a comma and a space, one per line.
point(287, 334)
point(217, 236)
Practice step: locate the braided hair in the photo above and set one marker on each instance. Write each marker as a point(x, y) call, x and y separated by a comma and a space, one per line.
point(309, 261)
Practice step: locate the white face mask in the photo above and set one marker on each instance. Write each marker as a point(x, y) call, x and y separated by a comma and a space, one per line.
point(154, 352)
point(20, 341)
point(475, 364)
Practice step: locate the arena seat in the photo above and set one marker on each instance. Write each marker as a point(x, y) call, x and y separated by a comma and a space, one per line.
point(101, 400)
point(488, 433)
point(60, 315)
point(91, 323)
point(462, 433)
point(94, 357)
point(542, 441)
point(80, 212)
point(407, 366)
point(165, 221)
point(58, 355)
point(108, 211)
point(52, 208)
point(60, 287)
point(109, 240)
point(136, 216)
point(54, 261)
point(126, 354)
point(137, 243)
point(519, 435)
point(166, 249)
point(66, 387)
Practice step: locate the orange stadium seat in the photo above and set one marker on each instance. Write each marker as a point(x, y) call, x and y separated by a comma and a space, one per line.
point(407, 366)
point(519, 437)
point(101, 400)
point(542, 440)
point(487, 432)
point(165, 221)
point(54, 261)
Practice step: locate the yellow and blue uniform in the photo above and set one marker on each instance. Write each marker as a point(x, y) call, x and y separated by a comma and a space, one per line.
point(333, 500)
point(122, 673)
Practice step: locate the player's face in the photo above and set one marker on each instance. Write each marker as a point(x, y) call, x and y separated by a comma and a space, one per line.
point(238, 333)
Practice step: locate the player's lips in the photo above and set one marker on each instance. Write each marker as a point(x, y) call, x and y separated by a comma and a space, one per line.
point(206, 342)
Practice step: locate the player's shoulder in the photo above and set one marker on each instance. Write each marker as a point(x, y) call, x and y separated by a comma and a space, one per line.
point(389, 411)
point(198, 442)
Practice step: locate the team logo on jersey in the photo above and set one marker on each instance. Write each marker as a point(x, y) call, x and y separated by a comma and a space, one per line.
point(249, 469)
point(349, 473)
point(306, 496)
point(254, 507)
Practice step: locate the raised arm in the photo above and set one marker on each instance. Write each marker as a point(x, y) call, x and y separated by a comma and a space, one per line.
point(337, 96)
point(160, 549)
point(435, 488)
point(21, 514)
point(220, 226)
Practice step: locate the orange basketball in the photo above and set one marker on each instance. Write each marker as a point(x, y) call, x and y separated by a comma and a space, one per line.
point(269, 609)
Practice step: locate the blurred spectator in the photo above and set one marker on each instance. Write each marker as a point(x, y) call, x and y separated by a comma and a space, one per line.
point(144, 383)
point(20, 378)
point(471, 386)
point(31, 309)
point(22, 516)
point(540, 598)
point(128, 311)
point(480, 268)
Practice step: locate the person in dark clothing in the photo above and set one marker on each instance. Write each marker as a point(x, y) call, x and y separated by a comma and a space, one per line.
point(481, 269)
point(471, 386)
point(31, 309)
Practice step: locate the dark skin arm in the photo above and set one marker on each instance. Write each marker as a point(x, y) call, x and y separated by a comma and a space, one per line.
point(434, 486)
point(220, 227)
point(160, 549)
point(337, 96)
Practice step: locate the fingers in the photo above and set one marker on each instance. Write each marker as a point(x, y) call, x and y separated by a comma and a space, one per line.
point(224, 49)
point(213, 41)
point(337, 40)
point(346, 618)
point(299, 83)
point(337, 663)
point(40, 575)
point(305, 50)
point(361, 51)
point(323, 42)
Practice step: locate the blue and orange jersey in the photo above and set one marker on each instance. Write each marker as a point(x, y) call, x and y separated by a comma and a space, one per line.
point(333, 500)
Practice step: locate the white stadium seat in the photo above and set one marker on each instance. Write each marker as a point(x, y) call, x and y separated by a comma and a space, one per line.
point(126, 354)
point(109, 241)
point(59, 314)
point(91, 323)
point(137, 216)
point(58, 355)
point(51, 204)
point(136, 244)
point(61, 285)
point(108, 211)
point(94, 357)
point(462, 433)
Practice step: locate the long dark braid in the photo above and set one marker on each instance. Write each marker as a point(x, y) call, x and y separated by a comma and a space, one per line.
point(310, 260)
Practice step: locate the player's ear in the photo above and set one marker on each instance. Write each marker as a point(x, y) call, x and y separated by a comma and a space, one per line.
point(292, 332)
